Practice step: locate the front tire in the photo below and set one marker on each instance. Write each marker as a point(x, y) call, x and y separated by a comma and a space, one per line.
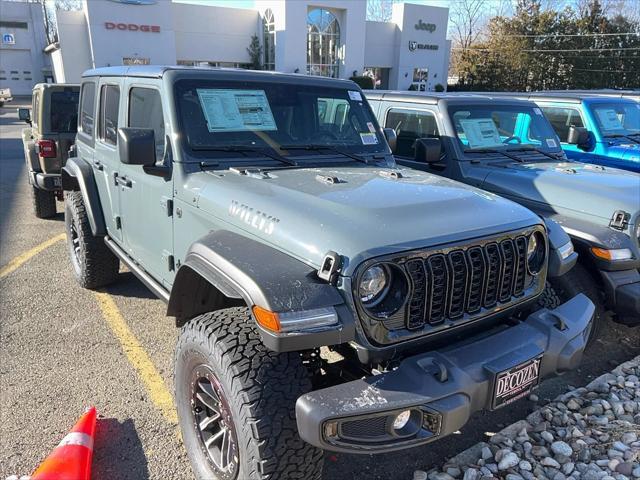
point(227, 380)
point(44, 202)
point(579, 280)
point(94, 265)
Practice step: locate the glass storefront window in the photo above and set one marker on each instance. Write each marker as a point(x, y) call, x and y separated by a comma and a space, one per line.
point(269, 41)
point(323, 43)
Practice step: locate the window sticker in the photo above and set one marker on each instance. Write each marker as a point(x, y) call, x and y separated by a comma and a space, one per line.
point(481, 132)
point(353, 95)
point(369, 138)
point(537, 111)
point(609, 119)
point(551, 143)
point(372, 129)
point(228, 110)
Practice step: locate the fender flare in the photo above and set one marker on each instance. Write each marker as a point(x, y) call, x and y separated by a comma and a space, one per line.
point(558, 266)
point(243, 270)
point(77, 175)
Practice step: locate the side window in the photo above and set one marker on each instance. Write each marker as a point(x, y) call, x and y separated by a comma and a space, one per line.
point(87, 113)
point(109, 108)
point(35, 114)
point(410, 125)
point(561, 119)
point(145, 111)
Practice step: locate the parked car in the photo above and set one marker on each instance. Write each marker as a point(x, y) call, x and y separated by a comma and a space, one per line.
point(5, 96)
point(268, 212)
point(52, 121)
point(508, 147)
point(606, 128)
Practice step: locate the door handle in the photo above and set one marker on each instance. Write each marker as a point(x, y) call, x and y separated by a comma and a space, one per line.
point(98, 165)
point(122, 181)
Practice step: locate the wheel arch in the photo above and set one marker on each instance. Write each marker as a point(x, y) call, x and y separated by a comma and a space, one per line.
point(77, 175)
point(224, 269)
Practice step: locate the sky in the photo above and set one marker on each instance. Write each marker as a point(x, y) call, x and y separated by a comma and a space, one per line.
point(249, 3)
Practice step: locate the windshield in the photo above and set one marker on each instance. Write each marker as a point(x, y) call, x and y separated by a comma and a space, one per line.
point(491, 127)
point(223, 116)
point(64, 111)
point(617, 118)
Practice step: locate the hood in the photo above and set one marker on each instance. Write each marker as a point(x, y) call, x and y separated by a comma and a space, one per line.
point(364, 214)
point(627, 151)
point(572, 188)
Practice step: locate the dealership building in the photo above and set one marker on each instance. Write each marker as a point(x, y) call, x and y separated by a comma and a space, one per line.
point(23, 62)
point(321, 37)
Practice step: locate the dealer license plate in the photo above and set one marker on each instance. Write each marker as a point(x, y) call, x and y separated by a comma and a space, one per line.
point(516, 383)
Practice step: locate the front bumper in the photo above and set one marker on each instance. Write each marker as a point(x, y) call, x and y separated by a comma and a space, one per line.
point(46, 181)
point(444, 386)
point(623, 294)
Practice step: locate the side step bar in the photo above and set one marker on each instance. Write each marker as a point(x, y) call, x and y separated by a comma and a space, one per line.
point(157, 289)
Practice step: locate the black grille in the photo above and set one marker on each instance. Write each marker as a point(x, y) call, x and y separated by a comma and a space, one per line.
point(448, 286)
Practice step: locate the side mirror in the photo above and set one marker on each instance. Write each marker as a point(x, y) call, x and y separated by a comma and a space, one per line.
point(428, 150)
point(24, 114)
point(578, 136)
point(392, 138)
point(137, 146)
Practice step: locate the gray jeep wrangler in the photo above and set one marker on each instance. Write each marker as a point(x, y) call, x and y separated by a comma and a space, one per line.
point(52, 120)
point(508, 147)
point(326, 298)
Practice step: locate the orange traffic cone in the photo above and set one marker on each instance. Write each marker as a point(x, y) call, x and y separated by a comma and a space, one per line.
point(71, 459)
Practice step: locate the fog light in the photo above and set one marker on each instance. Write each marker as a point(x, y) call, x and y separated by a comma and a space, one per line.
point(401, 420)
point(331, 429)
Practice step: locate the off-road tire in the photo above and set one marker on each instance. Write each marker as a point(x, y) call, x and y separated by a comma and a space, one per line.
point(549, 298)
point(44, 202)
point(260, 387)
point(94, 265)
point(579, 280)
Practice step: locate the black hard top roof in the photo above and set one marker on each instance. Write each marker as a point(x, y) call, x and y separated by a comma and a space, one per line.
point(432, 98)
point(159, 71)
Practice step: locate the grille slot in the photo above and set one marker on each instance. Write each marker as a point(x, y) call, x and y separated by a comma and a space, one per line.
point(416, 307)
point(438, 280)
point(365, 428)
point(446, 286)
point(459, 274)
point(521, 273)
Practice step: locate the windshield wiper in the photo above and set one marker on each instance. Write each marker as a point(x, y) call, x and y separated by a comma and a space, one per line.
point(538, 150)
point(325, 147)
point(244, 150)
point(493, 150)
point(628, 136)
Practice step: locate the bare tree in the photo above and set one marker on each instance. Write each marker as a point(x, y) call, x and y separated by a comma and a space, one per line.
point(467, 18)
point(380, 10)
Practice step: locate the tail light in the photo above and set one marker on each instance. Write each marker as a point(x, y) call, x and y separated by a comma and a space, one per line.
point(47, 149)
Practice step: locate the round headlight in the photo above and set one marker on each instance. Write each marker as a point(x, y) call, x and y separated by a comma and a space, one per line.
point(372, 284)
point(536, 253)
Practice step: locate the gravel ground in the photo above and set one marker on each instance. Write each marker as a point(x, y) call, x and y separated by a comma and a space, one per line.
point(588, 433)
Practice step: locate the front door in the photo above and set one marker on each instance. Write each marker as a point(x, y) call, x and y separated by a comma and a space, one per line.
point(105, 157)
point(146, 200)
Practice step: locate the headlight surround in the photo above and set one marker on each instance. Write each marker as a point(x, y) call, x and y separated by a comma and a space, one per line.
point(536, 253)
point(382, 290)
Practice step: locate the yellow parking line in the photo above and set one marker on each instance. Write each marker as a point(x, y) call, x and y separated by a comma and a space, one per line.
point(138, 357)
point(28, 255)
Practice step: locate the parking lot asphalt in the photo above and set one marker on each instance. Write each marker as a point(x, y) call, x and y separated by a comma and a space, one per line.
point(63, 348)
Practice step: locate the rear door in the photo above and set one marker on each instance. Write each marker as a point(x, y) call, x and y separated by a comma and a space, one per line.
point(147, 200)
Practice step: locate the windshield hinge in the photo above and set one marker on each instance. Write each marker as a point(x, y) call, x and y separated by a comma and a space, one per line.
point(620, 220)
point(393, 174)
point(330, 267)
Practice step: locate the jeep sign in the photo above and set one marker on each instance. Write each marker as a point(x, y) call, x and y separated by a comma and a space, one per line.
point(132, 27)
point(429, 27)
